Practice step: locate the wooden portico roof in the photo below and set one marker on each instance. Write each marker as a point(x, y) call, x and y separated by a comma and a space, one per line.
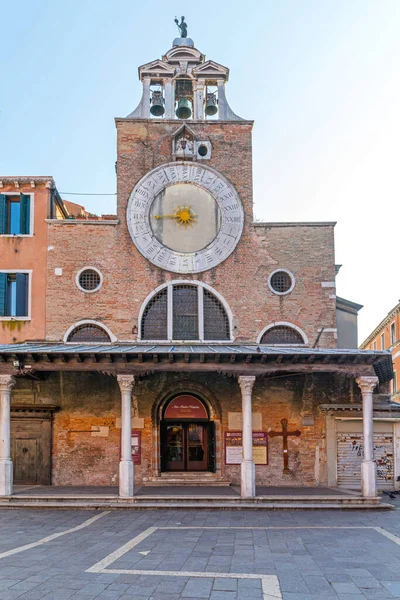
point(232, 359)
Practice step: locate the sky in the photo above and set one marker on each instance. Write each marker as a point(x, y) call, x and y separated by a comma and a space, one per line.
point(320, 78)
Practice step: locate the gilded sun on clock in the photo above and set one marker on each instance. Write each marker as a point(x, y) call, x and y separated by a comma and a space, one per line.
point(185, 218)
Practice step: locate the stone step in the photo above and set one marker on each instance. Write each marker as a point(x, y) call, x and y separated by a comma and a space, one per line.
point(155, 482)
point(187, 478)
point(188, 474)
point(227, 503)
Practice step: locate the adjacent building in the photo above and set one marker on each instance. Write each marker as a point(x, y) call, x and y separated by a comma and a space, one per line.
point(386, 336)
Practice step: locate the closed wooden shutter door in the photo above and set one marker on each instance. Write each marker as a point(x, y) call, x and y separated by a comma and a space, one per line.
point(350, 454)
point(25, 213)
point(22, 294)
point(3, 291)
point(3, 213)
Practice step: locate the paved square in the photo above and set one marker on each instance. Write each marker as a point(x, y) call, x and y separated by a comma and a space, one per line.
point(214, 555)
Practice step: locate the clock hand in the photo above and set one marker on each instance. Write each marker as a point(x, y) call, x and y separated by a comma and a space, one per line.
point(183, 216)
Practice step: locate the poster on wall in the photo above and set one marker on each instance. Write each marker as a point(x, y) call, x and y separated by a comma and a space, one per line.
point(136, 447)
point(234, 448)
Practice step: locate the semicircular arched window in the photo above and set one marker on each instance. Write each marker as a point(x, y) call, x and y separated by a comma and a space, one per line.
point(282, 335)
point(88, 332)
point(185, 311)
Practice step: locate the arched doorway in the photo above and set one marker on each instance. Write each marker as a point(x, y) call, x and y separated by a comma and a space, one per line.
point(187, 435)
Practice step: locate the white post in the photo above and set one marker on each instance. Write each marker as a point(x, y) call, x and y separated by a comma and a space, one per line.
point(6, 467)
point(125, 383)
point(368, 465)
point(248, 480)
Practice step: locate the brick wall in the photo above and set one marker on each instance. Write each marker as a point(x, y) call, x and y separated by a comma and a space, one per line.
point(307, 251)
point(79, 458)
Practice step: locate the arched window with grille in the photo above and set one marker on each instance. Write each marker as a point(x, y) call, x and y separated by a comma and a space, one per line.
point(185, 311)
point(282, 334)
point(89, 332)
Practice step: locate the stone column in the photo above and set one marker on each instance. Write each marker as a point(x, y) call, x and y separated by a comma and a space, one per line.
point(146, 98)
point(169, 99)
point(125, 383)
point(248, 480)
point(6, 467)
point(368, 465)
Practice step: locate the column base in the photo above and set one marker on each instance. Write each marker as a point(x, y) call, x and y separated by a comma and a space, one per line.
point(6, 477)
point(368, 478)
point(126, 478)
point(248, 479)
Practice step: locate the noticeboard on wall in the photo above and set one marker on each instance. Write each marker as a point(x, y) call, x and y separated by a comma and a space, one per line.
point(234, 447)
point(136, 447)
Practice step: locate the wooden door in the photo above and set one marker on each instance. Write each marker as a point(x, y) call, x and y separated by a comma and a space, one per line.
point(196, 447)
point(31, 450)
point(174, 448)
point(25, 460)
point(184, 447)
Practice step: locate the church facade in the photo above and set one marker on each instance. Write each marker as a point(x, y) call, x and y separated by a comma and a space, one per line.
point(180, 340)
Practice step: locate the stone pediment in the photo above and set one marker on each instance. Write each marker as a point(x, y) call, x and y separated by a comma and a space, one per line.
point(179, 54)
point(156, 68)
point(211, 69)
point(184, 129)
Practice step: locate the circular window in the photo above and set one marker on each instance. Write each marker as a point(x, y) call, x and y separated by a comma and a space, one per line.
point(281, 281)
point(89, 280)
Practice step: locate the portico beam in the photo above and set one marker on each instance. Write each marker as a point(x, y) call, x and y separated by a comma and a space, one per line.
point(126, 475)
point(6, 467)
point(248, 480)
point(368, 465)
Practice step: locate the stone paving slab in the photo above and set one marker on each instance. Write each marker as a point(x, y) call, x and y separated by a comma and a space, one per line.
point(309, 552)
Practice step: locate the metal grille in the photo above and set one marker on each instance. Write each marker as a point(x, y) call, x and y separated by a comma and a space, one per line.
point(281, 282)
point(185, 312)
point(154, 320)
point(88, 333)
point(216, 322)
point(282, 334)
point(350, 452)
point(89, 280)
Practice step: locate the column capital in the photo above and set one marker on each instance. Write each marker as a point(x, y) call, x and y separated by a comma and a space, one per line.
point(367, 383)
point(125, 382)
point(246, 383)
point(7, 382)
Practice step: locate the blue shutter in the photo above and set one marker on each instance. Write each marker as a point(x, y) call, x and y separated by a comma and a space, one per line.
point(3, 213)
point(3, 286)
point(25, 213)
point(22, 294)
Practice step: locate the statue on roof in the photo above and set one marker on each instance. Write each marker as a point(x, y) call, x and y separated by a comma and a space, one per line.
point(182, 26)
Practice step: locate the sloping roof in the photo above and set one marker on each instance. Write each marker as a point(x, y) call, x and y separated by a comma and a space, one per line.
point(251, 354)
point(347, 305)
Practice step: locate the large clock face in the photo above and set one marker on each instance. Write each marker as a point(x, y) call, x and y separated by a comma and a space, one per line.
point(185, 218)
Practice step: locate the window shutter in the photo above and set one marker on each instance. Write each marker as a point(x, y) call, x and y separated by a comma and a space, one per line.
point(3, 285)
point(22, 294)
point(25, 213)
point(3, 213)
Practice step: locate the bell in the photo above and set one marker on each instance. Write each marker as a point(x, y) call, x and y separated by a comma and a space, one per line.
point(211, 105)
point(157, 104)
point(183, 111)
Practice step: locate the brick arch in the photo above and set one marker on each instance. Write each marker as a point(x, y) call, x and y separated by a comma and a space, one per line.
point(206, 396)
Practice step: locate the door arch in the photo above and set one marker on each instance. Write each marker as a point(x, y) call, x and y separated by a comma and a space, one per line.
point(187, 435)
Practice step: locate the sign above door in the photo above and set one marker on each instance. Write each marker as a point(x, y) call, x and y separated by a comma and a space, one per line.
point(185, 407)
